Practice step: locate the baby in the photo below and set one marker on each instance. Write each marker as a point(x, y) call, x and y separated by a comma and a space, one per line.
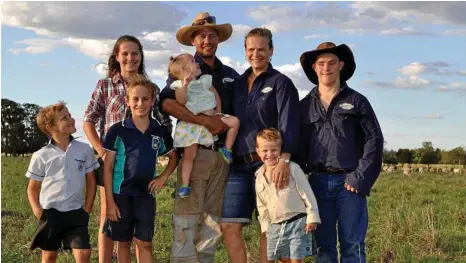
point(199, 96)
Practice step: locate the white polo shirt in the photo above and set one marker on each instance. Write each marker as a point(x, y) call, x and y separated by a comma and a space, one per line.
point(63, 174)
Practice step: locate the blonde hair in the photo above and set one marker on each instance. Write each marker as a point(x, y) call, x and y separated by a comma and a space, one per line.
point(140, 80)
point(176, 65)
point(46, 116)
point(270, 135)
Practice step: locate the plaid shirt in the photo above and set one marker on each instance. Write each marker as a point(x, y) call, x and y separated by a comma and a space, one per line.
point(107, 105)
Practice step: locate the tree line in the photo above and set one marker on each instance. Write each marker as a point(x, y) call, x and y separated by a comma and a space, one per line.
point(426, 155)
point(20, 134)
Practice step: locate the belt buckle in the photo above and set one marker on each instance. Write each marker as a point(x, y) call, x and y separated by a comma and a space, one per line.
point(248, 160)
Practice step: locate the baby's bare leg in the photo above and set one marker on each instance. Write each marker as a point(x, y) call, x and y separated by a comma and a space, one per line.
point(189, 155)
point(233, 123)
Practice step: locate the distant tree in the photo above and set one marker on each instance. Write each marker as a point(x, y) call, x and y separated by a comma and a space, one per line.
point(404, 156)
point(35, 138)
point(427, 154)
point(13, 129)
point(458, 155)
point(389, 157)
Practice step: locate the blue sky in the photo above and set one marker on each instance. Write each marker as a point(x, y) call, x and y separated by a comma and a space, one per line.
point(410, 56)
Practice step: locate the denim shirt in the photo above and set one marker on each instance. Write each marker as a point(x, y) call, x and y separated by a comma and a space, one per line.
point(347, 136)
point(272, 103)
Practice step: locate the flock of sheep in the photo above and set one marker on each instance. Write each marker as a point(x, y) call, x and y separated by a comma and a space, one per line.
point(408, 170)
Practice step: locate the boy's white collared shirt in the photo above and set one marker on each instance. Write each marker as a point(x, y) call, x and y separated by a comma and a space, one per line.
point(63, 174)
point(276, 206)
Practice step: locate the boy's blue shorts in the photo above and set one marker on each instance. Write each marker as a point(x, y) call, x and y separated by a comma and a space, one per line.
point(137, 219)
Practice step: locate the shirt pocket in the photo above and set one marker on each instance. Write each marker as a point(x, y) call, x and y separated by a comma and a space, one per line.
point(345, 122)
point(313, 122)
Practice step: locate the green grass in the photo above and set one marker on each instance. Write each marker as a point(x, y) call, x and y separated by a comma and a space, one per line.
point(421, 218)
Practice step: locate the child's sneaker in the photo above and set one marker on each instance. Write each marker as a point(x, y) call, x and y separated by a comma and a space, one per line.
point(184, 191)
point(226, 154)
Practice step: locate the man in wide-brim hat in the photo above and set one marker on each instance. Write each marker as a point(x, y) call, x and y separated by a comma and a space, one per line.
point(196, 218)
point(342, 149)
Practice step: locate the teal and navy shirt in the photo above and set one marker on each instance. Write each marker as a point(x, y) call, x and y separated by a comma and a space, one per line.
point(136, 155)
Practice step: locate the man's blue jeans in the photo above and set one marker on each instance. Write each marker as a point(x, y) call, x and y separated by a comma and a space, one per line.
point(343, 211)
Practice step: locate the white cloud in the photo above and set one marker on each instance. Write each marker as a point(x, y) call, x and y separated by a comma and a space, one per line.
point(411, 82)
point(313, 36)
point(101, 69)
point(407, 31)
point(239, 67)
point(91, 20)
point(436, 116)
point(240, 31)
point(414, 68)
point(455, 32)
point(438, 68)
point(160, 73)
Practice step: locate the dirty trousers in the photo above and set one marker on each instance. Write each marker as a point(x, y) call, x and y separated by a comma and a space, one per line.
point(196, 219)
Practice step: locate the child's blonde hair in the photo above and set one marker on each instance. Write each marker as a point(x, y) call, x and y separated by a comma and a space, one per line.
point(270, 135)
point(175, 66)
point(140, 80)
point(46, 116)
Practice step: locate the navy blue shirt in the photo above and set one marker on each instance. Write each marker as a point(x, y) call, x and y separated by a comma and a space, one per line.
point(272, 103)
point(346, 136)
point(136, 155)
point(222, 80)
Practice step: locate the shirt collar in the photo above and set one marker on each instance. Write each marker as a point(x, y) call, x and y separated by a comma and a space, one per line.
point(117, 78)
point(53, 142)
point(343, 86)
point(268, 72)
point(128, 123)
point(200, 61)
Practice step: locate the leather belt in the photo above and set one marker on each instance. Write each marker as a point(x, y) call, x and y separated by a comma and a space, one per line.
point(247, 158)
point(214, 147)
point(294, 218)
point(331, 170)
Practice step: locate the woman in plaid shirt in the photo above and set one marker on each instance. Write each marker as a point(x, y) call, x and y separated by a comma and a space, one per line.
point(107, 106)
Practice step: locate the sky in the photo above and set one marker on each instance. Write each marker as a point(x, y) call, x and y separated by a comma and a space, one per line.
point(410, 56)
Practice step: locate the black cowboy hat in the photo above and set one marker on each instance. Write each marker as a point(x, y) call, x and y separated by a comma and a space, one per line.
point(343, 52)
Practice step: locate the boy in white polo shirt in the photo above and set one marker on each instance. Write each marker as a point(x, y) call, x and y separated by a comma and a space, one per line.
point(59, 172)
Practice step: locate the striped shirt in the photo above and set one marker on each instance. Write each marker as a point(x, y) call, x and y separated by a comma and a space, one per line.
point(63, 174)
point(107, 106)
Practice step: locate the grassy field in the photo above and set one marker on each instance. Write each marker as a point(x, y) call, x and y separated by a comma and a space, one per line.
point(412, 219)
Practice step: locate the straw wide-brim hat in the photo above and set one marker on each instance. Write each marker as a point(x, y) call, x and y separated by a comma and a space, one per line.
point(343, 52)
point(184, 34)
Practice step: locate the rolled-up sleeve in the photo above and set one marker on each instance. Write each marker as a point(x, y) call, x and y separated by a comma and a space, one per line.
point(96, 108)
point(370, 165)
point(288, 115)
point(305, 191)
point(263, 218)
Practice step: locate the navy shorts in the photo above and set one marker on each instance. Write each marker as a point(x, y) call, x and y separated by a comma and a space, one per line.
point(239, 201)
point(137, 219)
point(56, 228)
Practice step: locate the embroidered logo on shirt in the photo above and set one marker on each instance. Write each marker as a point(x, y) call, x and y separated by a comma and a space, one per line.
point(266, 90)
point(155, 142)
point(346, 106)
point(229, 80)
point(80, 165)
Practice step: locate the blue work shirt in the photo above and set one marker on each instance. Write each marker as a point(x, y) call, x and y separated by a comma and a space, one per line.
point(272, 103)
point(222, 80)
point(346, 136)
point(136, 155)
